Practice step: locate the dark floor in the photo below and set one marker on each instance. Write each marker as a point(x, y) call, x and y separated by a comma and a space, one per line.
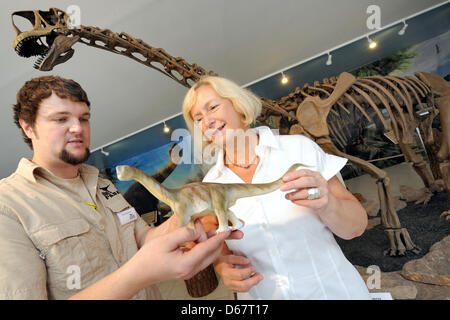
point(423, 224)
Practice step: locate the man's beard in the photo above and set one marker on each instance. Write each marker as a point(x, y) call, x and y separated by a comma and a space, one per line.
point(70, 159)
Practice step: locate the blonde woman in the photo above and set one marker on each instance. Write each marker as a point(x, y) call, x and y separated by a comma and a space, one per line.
point(288, 250)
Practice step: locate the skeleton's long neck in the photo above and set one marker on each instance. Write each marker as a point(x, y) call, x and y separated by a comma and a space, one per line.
point(176, 68)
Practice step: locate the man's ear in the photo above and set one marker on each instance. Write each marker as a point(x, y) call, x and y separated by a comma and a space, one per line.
point(27, 128)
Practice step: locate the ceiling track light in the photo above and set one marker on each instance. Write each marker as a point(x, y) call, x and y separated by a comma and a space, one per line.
point(166, 128)
point(403, 30)
point(372, 44)
point(106, 153)
point(284, 79)
point(329, 61)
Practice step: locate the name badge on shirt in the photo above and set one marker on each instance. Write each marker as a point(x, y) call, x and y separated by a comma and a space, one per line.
point(127, 216)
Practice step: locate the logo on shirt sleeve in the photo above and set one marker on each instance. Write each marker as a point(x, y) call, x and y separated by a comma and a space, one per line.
point(108, 194)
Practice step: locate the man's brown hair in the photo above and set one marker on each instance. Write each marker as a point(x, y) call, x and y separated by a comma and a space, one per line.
point(37, 89)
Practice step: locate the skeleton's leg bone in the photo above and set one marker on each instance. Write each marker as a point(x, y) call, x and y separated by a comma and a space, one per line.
point(400, 247)
point(383, 207)
point(392, 247)
point(408, 241)
point(389, 216)
point(419, 164)
point(445, 172)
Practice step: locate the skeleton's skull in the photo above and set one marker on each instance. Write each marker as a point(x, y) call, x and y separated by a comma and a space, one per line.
point(50, 38)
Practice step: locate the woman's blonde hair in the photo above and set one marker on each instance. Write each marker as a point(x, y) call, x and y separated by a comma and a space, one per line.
point(243, 100)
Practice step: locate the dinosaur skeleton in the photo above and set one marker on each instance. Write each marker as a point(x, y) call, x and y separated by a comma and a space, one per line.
point(314, 111)
point(199, 199)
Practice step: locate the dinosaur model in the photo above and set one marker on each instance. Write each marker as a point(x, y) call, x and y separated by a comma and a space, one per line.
point(199, 199)
point(315, 111)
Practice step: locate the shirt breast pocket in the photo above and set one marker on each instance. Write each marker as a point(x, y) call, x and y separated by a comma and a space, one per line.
point(125, 222)
point(63, 247)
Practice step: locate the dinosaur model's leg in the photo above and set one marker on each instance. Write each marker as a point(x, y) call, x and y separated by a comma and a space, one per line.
point(235, 222)
point(218, 202)
point(399, 238)
point(182, 218)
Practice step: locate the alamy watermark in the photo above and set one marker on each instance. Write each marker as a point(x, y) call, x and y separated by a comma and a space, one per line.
point(373, 22)
point(74, 13)
point(73, 281)
point(373, 281)
point(235, 140)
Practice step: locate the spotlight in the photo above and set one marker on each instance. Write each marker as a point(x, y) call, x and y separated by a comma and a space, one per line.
point(106, 153)
point(329, 62)
point(284, 79)
point(372, 44)
point(166, 128)
point(402, 31)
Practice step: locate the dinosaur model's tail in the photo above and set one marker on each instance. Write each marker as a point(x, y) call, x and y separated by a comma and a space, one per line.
point(243, 190)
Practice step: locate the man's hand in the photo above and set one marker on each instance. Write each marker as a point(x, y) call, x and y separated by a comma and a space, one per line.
point(165, 257)
point(210, 225)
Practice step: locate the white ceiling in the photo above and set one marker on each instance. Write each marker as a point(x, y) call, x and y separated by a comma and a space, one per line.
point(244, 40)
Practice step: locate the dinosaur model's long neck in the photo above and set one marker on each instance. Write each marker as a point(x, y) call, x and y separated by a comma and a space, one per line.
point(176, 68)
point(126, 173)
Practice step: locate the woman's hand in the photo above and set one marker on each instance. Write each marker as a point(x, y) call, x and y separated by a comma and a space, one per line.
point(236, 272)
point(303, 180)
point(336, 207)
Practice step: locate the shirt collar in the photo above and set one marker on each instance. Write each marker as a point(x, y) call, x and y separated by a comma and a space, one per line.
point(27, 169)
point(267, 139)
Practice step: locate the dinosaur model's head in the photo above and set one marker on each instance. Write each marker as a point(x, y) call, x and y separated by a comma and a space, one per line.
point(50, 38)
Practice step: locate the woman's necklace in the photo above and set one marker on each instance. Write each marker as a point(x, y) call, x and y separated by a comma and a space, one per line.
point(245, 166)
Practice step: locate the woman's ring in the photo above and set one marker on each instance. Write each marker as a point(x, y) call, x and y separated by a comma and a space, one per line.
point(313, 193)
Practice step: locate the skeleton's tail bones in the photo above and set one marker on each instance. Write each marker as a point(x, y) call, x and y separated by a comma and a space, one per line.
point(235, 190)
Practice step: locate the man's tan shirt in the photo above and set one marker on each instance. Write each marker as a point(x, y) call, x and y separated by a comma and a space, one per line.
point(59, 236)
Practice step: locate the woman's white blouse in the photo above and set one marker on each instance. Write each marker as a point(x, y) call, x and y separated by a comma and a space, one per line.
point(293, 250)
